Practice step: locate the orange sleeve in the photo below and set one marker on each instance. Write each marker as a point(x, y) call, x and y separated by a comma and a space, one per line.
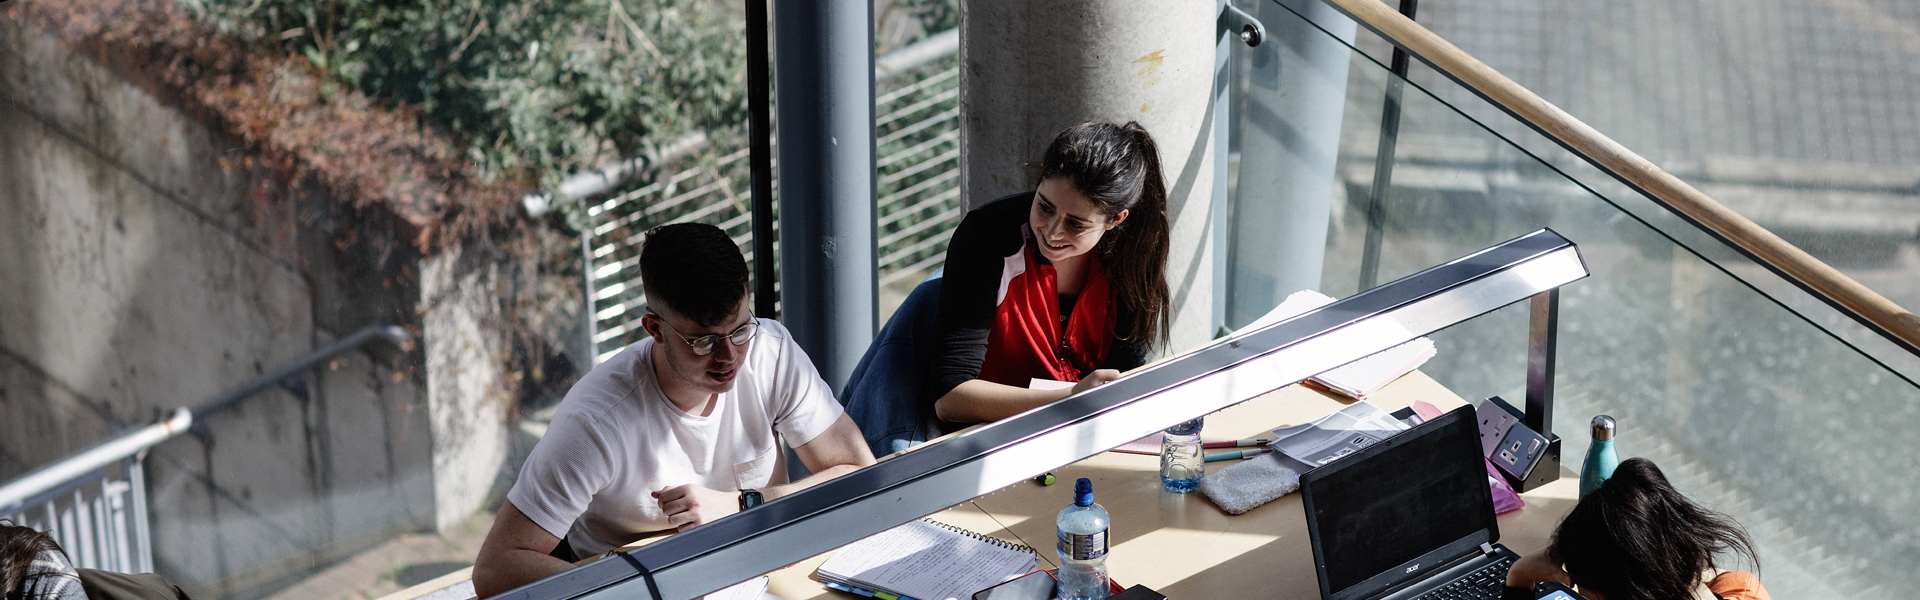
point(1738, 585)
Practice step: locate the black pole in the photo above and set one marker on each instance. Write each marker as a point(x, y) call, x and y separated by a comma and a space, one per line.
point(1543, 335)
point(1383, 162)
point(760, 161)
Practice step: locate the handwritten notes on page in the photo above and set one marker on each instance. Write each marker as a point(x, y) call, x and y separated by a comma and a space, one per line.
point(928, 561)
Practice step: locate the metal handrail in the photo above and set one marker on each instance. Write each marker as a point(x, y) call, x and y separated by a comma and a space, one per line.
point(708, 193)
point(39, 482)
point(30, 488)
point(1857, 301)
point(605, 177)
point(393, 334)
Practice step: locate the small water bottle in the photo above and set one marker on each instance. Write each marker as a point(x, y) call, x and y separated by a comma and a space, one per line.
point(1082, 527)
point(1601, 457)
point(1181, 465)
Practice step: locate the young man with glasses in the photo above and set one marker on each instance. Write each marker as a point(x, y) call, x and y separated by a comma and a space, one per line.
point(676, 430)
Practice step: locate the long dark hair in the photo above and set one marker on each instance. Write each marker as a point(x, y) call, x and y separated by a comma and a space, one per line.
point(1637, 538)
point(1118, 168)
point(18, 547)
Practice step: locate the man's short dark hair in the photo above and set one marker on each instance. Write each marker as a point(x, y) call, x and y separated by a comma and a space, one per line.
point(695, 270)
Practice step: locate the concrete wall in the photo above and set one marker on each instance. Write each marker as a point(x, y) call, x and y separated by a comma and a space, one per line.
point(467, 407)
point(148, 265)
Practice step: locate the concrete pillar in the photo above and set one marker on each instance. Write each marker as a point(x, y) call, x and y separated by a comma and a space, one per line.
point(1030, 69)
point(827, 254)
point(1296, 84)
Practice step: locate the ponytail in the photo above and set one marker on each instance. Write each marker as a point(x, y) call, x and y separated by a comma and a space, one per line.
point(1118, 168)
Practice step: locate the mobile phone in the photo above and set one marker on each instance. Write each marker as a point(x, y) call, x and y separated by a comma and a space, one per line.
point(1552, 590)
point(1037, 585)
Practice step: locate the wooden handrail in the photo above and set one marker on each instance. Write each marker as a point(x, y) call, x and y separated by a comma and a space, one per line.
point(1809, 273)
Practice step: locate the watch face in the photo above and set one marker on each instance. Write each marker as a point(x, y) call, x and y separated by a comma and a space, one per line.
point(749, 499)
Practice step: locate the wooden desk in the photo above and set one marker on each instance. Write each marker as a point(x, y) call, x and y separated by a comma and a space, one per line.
point(1181, 544)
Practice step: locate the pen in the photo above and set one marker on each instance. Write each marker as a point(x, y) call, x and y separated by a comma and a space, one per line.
point(1236, 443)
point(849, 589)
point(1248, 453)
point(865, 592)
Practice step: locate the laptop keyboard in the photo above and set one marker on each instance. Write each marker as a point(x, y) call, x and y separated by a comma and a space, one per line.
point(1484, 584)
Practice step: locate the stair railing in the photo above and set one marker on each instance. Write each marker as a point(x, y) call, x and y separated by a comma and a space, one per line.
point(94, 502)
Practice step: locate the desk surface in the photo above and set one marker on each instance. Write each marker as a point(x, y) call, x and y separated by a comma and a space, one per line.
point(1182, 545)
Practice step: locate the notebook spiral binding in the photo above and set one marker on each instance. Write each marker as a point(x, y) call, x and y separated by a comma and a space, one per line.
point(984, 538)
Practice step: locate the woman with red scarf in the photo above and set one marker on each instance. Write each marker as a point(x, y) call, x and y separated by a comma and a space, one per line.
point(1067, 282)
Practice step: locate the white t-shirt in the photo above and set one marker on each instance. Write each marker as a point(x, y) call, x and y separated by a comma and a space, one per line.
point(615, 439)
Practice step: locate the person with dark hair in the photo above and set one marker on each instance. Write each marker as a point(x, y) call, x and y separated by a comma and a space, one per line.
point(33, 567)
point(676, 430)
point(1066, 282)
point(1637, 538)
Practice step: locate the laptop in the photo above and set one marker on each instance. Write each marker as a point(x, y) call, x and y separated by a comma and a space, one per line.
point(1410, 516)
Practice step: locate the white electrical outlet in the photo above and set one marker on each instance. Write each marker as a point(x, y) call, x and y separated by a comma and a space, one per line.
point(1495, 421)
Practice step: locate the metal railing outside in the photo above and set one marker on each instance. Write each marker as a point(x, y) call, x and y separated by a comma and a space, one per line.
point(100, 520)
point(918, 204)
point(94, 502)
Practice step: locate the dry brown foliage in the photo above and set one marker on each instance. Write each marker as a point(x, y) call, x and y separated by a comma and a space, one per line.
point(282, 111)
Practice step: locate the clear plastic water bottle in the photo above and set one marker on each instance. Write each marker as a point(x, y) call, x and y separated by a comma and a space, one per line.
point(1181, 465)
point(1602, 459)
point(1082, 527)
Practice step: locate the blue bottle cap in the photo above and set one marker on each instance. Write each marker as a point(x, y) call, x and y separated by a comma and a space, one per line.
point(1083, 492)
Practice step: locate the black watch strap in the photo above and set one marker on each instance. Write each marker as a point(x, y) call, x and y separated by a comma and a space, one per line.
point(750, 499)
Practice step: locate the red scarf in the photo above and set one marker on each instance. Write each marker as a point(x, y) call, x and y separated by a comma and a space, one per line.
point(1026, 339)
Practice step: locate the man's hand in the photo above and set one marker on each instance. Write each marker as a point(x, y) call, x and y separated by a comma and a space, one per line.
point(1535, 568)
point(690, 505)
point(1095, 379)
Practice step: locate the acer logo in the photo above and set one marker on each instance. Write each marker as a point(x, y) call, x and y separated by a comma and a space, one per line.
point(1413, 568)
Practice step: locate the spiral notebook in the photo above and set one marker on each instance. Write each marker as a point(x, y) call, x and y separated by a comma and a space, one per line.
point(927, 560)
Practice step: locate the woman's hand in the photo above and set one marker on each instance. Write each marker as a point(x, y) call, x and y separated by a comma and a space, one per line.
point(1535, 568)
point(979, 400)
point(1095, 379)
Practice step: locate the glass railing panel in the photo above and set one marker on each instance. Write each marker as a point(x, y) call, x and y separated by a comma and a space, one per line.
point(1756, 397)
point(1765, 105)
point(1823, 157)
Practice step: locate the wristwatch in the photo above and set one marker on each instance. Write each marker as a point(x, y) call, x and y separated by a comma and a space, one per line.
point(750, 499)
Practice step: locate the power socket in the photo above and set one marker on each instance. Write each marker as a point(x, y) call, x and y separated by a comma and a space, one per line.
point(1514, 448)
point(1496, 419)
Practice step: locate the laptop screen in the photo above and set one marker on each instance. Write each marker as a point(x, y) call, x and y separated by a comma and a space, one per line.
point(1398, 500)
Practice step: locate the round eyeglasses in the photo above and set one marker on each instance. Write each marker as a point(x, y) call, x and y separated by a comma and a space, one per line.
point(703, 345)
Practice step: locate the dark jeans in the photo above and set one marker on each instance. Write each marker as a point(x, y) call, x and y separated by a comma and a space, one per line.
point(883, 395)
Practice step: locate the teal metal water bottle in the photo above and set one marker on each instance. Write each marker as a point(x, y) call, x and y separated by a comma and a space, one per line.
point(1601, 457)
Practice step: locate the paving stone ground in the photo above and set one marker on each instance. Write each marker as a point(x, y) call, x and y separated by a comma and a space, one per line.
point(395, 565)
